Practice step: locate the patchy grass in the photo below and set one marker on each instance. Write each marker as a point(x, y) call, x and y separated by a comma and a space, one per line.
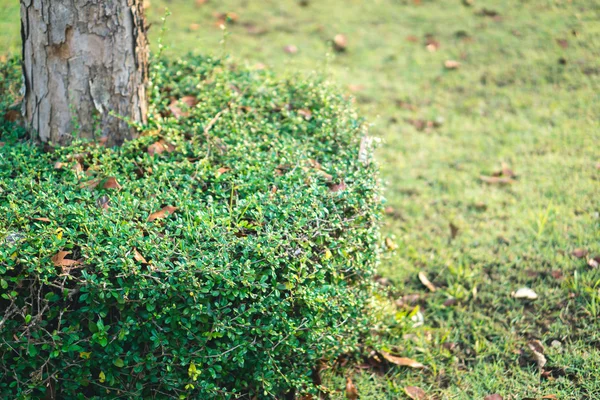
point(526, 94)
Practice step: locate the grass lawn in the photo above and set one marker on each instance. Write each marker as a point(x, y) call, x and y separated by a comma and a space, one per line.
point(524, 95)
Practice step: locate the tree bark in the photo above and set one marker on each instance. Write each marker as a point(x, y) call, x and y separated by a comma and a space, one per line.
point(82, 61)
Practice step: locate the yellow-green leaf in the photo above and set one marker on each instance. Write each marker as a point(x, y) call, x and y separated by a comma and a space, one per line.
point(102, 377)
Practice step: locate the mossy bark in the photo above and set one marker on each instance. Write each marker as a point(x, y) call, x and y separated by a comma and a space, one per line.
point(85, 67)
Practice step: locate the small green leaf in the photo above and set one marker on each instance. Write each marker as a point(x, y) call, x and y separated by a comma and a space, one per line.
point(119, 363)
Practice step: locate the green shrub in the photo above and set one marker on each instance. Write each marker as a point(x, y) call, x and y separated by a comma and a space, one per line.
point(263, 268)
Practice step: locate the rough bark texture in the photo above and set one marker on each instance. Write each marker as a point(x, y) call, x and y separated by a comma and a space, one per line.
point(81, 61)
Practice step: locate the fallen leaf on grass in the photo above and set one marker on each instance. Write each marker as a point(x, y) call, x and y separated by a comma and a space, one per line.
point(43, 219)
point(423, 125)
point(426, 282)
point(562, 43)
point(225, 17)
point(290, 49)
point(450, 302)
point(492, 180)
point(201, 2)
point(340, 42)
point(550, 397)
point(337, 187)
point(494, 396)
point(254, 29)
point(525, 293)
point(431, 44)
point(194, 27)
point(486, 12)
point(557, 274)
point(111, 183)
point(579, 253)
point(177, 112)
point(505, 171)
point(138, 257)
point(351, 391)
point(12, 116)
point(594, 262)
point(415, 393)
point(162, 213)
point(222, 170)
point(390, 244)
point(59, 259)
point(91, 184)
point(402, 361)
point(537, 350)
point(305, 113)
point(451, 64)
point(160, 147)
point(453, 231)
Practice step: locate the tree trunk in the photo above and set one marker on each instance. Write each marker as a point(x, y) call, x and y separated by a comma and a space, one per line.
point(82, 61)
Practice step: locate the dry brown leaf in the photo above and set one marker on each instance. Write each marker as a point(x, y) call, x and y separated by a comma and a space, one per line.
point(431, 44)
point(451, 64)
point(550, 397)
point(162, 213)
point(504, 180)
point(505, 171)
point(340, 42)
point(189, 101)
point(351, 391)
point(415, 393)
point(77, 168)
point(201, 2)
point(138, 257)
point(594, 262)
point(254, 29)
point(402, 361)
point(160, 147)
point(91, 185)
point(390, 244)
point(111, 183)
point(426, 282)
point(537, 350)
point(450, 302)
point(423, 125)
point(556, 274)
point(305, 113)
point(43, 219)
point(338, 187)
point(12, 116)
point(453, 230)
point(579, 253)
point(222, 170)
point(494, 396)
point(59, 259)
point(290, 49)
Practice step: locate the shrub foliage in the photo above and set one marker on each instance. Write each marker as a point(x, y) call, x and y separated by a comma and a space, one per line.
point(221, 254)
